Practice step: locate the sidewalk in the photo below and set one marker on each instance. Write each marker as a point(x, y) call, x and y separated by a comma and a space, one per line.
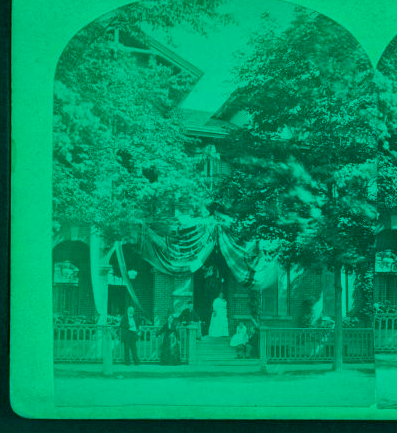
point(386, 380)
point(282, 385)
point(183, 370)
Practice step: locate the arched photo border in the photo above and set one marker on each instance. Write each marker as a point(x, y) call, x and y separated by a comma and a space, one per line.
point(41, 30)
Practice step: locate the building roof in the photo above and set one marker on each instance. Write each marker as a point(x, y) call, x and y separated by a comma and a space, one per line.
point(160, 49)
point(200, 123)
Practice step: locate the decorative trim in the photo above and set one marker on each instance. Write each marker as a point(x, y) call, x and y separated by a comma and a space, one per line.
point(206, 131)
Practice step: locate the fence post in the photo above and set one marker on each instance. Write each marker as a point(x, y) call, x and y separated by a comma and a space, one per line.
point(107, 351)
point(263, 348)
point(191, 344)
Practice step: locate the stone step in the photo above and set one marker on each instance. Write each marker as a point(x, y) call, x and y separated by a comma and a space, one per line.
point(228, 362)
point(211, 349)
point(215, 340)
point(216, 356)
point(223, 344)
point(216, 351)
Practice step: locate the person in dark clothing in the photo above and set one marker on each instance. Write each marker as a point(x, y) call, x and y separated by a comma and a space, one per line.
point(170, 349)
point(252, 347)
point(130, 332)
point(190, 317)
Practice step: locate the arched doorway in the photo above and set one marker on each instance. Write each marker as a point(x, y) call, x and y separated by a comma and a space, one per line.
point(209, 281)
point(72, 290)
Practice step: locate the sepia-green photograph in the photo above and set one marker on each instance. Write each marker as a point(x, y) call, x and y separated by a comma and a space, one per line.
point(204, 211)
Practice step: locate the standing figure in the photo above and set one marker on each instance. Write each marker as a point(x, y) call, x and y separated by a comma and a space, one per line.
point(239, 340)
point(170, 352)
point(190, 317)
point(130, 331)
point(219, 326)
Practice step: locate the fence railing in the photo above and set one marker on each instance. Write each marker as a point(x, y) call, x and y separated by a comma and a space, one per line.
point(89, 343)
point(315, 345)
point(85, 343)
point(385, 332)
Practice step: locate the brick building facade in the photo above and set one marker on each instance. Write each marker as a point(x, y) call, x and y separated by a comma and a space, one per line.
point(282, 305)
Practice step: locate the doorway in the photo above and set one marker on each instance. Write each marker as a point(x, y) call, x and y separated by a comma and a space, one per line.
point(209, 281)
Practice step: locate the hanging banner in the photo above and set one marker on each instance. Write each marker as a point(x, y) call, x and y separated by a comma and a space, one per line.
point(124, 274)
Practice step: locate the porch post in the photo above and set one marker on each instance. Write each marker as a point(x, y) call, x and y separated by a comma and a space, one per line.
point(263, 348)
point(107, 351)
point(192, 344)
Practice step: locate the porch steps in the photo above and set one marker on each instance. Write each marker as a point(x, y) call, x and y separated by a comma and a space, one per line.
point(217, 352)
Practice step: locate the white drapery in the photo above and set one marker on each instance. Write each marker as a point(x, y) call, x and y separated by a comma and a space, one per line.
point(99, 274)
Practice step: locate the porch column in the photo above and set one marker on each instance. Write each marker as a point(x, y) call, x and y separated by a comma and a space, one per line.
point(99, 274)
point(263, 348)
point(107, 355)
point(192, 344)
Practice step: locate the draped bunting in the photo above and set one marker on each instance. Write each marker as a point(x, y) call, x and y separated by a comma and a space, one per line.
point(186, 250)
point(124, 274)
point(166, 256)
point(181, 254)
point(252, 269)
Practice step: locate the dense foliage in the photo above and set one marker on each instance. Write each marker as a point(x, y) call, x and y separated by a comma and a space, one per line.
point(119, 148)
point(305, 166)
point(386, 80)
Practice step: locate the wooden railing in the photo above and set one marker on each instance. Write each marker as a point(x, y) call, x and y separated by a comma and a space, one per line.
point(86, 343)
point(314, 345)
point(385, 332)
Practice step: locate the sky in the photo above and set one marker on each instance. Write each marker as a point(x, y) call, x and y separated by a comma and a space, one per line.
point(214, 54)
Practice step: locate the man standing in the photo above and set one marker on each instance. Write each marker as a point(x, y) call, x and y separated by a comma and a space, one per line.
point(130, 331)
point(190, 317)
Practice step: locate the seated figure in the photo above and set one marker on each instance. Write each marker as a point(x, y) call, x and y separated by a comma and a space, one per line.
point(239, 340)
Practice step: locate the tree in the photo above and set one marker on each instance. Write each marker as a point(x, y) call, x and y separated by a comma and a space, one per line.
point(119, 148)
point(307, 160)
point(386, 80)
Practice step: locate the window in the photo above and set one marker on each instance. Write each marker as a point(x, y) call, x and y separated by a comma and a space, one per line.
point(270, 301)
point(66, 300)
point(276, 299)
point(66, 292)
point(118, 300)
point(386, 288)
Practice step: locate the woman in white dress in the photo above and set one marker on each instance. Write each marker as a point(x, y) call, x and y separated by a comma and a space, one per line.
point(219, 326)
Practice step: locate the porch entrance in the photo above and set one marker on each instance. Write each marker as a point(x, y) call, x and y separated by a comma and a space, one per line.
point(209, 281)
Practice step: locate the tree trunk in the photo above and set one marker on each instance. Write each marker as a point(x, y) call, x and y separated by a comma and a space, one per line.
point(338, 337)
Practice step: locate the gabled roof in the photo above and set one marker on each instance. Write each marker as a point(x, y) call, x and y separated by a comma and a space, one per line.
point(200, 123)
point(157, 48)
point(154, 47)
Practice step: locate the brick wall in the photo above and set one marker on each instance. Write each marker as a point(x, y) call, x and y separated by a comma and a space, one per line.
point(143, 285)
point(163, 288)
